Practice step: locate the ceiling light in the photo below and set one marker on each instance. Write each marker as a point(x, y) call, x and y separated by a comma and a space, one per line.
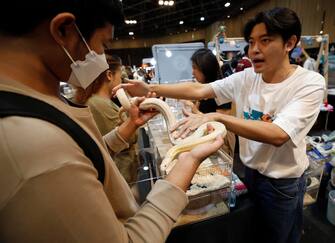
point(202, 18)
point(130, 21)
point(181, 22)
point(171, 3)
point(145, 167)
point(131, 33)
point(241, 8)
point(227, 4)
point(228, 16)
point(165, 3)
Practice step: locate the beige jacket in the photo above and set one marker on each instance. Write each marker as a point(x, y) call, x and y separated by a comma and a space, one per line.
point(49, 190)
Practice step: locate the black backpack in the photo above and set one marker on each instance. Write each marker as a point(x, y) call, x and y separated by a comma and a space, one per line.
point(13, 104)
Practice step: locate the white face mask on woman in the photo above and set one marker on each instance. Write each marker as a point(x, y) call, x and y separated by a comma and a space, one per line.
point(85, 72)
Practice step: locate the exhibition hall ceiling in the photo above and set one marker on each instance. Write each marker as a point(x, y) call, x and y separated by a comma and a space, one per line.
point(152, 18)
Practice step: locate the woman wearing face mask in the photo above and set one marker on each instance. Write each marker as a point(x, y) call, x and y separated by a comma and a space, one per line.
point(50, 189)
point(105, 112)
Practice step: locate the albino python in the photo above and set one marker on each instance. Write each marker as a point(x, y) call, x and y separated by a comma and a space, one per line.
point(180, 145)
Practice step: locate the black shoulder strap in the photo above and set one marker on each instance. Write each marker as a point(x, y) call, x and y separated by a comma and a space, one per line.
point(13, 104)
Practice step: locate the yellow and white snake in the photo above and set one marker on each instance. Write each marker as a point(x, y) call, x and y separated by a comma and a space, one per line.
point(200, 136)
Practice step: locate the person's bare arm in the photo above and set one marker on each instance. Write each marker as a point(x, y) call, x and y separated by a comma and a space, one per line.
point(260, 131)
point(189, 91)
point(265, 132)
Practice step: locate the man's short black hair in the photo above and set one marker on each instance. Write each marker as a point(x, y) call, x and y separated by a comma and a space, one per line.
point(206, 61)
point(278, 21)
point(21, 17)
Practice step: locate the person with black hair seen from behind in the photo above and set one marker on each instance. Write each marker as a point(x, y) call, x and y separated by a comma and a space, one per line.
point(277, 104)
point(244, 62)
point(50, 190)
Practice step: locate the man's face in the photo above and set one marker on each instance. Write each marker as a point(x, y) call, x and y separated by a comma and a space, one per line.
point(97, 43)
point(266, 52)
point(77, 48)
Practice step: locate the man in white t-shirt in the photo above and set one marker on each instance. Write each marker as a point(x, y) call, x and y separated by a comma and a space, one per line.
point(276, 105)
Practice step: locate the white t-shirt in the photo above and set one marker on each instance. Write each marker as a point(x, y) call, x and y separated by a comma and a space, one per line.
point(293, 105)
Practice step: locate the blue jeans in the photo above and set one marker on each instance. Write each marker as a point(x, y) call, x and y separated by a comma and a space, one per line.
point(279, 207)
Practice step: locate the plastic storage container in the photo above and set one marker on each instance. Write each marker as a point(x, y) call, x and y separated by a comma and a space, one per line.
point(210, 188)
point(209, 191)
point(204, 203)
point(314, 175)
point(331, 207)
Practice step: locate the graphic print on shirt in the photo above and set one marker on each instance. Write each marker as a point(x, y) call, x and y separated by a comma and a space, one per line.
point(257, 116)
point(258, 104)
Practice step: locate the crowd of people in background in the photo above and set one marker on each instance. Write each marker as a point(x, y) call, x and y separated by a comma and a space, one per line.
point(234, 62)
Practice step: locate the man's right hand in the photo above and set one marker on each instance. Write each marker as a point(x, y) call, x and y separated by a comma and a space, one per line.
point(133, 87)
point(202, 151)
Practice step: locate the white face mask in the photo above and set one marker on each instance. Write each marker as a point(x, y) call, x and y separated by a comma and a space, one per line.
point(85, 72)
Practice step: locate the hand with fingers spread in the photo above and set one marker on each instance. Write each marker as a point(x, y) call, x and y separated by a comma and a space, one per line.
point(190, 123)
point(202, 151)
point(133, 87)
